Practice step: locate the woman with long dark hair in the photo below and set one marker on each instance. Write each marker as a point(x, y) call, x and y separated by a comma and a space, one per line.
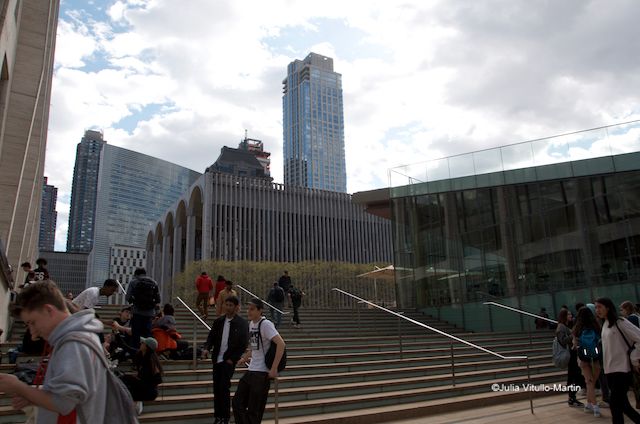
point(144, 384)
point(563, 333)
point(618, 336)
point(586, 338)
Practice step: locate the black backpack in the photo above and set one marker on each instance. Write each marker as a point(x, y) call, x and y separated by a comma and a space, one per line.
point(270, 355)
point(145, 294)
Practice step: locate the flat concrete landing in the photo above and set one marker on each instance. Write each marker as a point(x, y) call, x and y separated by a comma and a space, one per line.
point(548, 409)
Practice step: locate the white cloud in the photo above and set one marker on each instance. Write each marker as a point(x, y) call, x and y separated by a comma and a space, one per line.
point(421, 79)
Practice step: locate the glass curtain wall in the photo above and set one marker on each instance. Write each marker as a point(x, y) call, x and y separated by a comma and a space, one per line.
point(531, 245)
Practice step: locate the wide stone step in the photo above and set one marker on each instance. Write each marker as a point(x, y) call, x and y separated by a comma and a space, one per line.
point(341, 404)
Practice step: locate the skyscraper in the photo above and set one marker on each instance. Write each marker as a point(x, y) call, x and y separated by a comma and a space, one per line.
point(313, 125)
point(83, 192)
point(48, 217)
point(135, 191)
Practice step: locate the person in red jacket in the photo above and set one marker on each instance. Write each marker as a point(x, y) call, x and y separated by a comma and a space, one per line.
point(204, 285)
point(221, 284)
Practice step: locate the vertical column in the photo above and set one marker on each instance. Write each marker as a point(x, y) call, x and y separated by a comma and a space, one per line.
point(157, 262)
point(165, 267)
point(206, 217)
point(177, 251)
point(190, 250)
point(149, 262)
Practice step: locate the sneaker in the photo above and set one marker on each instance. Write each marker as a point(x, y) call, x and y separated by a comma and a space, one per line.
point(603, 404)
point(596, 411)
point(588, 407)
point(573, 402)
point(139, 408)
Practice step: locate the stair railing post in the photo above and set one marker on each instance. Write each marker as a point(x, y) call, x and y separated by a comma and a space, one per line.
point(400, 338)
point(358, 312)
point(453, 368)
point(529, 383)
point(275, 407)
point(195, 353)
point(530, 337)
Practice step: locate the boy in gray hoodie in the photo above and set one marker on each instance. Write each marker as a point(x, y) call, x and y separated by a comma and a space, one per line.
point(75, 380)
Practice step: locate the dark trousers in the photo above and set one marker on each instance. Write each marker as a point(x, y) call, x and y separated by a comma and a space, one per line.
point(222, 373)
point(574, 374)
point(619, 402)
point(296, 317)
point(140, 327)
point(251, 397)
point(139, 389)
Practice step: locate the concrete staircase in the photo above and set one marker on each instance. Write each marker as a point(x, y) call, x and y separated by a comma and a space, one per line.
point(349, 367)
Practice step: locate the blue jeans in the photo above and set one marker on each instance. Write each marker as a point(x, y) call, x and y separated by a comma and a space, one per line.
point(276, 316)
point(140, 327)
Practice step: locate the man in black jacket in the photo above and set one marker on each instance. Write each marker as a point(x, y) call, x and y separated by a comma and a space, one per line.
point(227, 340)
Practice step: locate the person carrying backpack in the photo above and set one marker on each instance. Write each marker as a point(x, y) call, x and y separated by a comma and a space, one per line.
point(586, 338)
point(276, 298)
point(295, 294)
point(144, 295)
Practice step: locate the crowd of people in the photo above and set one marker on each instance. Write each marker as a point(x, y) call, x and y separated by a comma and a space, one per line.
point(602, 355)
point(73, 381)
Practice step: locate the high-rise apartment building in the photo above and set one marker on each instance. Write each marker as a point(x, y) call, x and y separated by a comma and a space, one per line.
point(134, 191)
point(83, 192)
point(313, 125)
point(48, 217)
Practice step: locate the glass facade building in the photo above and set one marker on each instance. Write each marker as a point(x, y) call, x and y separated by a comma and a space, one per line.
point(542, 236)
point(83, 192)
point(313, 125)
point(134, 191)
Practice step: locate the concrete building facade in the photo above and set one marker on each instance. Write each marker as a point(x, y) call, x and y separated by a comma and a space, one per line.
point(28, 35)
point(238, 218)
point(123, 262)
point(48, 217)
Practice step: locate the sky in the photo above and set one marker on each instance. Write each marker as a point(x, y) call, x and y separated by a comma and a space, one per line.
point(422, 79)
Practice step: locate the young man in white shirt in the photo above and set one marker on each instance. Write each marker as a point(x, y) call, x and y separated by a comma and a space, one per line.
point(90, 297)
point(228, 341)
point(253, 389)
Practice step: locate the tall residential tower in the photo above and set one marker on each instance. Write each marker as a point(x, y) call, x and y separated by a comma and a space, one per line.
point(313, 125)
point(83, 192)
point(48, 217)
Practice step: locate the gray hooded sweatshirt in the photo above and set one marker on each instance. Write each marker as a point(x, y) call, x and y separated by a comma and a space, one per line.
point(76, 377)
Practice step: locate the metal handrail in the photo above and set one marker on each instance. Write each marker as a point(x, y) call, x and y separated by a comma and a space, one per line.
point(520, 311)
point(121, 287)
point(193, 313)
point(195, 340)
point(450, 336)
point(263, 301)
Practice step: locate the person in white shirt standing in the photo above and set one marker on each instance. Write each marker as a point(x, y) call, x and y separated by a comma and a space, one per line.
point(90, 297)
point(227, 340)
point(618, 337)
point(253, 389)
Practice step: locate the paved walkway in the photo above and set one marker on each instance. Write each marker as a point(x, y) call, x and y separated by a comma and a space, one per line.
point(549, 409)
